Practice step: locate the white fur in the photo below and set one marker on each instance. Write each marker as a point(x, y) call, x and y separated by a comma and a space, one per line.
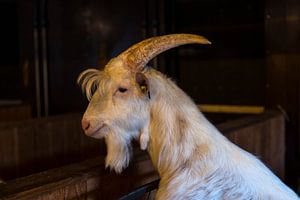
point(193, 159)
point(144, 136)
point(203, 164)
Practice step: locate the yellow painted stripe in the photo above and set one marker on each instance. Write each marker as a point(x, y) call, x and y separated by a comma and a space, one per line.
point(238, 109)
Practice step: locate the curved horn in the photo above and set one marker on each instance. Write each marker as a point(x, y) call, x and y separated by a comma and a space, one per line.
point(138, 55)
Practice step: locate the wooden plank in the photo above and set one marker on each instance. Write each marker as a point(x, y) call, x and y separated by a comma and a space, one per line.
point(277, 146)
point(33, 182)
point(35, 145)
point(247, 121)
point(15, 112)
point(88, 174)
point(8, 158)
point(56, 135)
point(264, 138)
point(283, 80)
point(71, 134)
point(27, 152)
point(90, 180)
point(42, 144)
point(238, 109)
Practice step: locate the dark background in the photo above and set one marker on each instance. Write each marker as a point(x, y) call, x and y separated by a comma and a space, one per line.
point(254, 58)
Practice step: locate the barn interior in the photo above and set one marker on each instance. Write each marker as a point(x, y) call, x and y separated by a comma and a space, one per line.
point(247, 83)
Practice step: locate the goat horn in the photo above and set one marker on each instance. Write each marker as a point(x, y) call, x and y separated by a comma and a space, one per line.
point(138, 55)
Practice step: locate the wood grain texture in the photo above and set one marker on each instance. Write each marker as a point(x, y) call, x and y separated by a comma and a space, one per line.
point(240, 109)
point(262, 135)
point(15, 112)
point(34, 145)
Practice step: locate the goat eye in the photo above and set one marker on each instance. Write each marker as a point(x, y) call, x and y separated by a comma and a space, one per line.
point(122, 90)
point(144, 88)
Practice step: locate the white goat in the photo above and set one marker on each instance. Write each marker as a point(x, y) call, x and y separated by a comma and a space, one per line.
point(194, 160)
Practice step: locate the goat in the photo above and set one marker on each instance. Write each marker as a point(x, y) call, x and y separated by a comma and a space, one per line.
point(194, 160)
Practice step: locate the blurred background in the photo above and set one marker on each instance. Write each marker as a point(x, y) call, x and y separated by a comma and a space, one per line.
point(254, 59)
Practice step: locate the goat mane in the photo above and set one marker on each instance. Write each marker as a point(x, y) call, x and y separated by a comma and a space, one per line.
point(89, 81)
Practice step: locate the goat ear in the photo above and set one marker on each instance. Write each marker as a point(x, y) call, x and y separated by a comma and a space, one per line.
point(142, 81)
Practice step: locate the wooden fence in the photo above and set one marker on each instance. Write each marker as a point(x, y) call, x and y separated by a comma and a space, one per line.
point(262, 135)
point(35, 145)
point(15, 112)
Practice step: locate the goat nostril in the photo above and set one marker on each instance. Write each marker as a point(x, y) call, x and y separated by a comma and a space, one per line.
point(85, 124)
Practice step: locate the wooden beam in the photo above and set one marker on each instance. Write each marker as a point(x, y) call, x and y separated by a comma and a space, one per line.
point(238, 109)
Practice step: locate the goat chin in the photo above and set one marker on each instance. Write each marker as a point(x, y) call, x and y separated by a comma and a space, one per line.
point(119, 151)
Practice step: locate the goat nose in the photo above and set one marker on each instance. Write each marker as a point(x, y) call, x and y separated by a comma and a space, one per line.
point(85, 124)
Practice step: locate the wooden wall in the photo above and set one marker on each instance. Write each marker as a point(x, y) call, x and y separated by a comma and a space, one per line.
point(282, 30)
point(262, 135)
point(34, 145)
point(15, 112)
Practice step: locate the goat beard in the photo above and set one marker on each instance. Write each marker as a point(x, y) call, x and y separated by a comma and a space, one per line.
point(119, 151)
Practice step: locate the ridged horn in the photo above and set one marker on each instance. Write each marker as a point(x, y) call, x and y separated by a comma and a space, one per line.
point(138, 55)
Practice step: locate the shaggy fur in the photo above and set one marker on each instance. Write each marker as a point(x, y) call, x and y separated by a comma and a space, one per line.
point(194, 160)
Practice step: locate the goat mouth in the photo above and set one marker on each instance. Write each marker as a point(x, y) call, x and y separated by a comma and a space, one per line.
point(99, 132)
